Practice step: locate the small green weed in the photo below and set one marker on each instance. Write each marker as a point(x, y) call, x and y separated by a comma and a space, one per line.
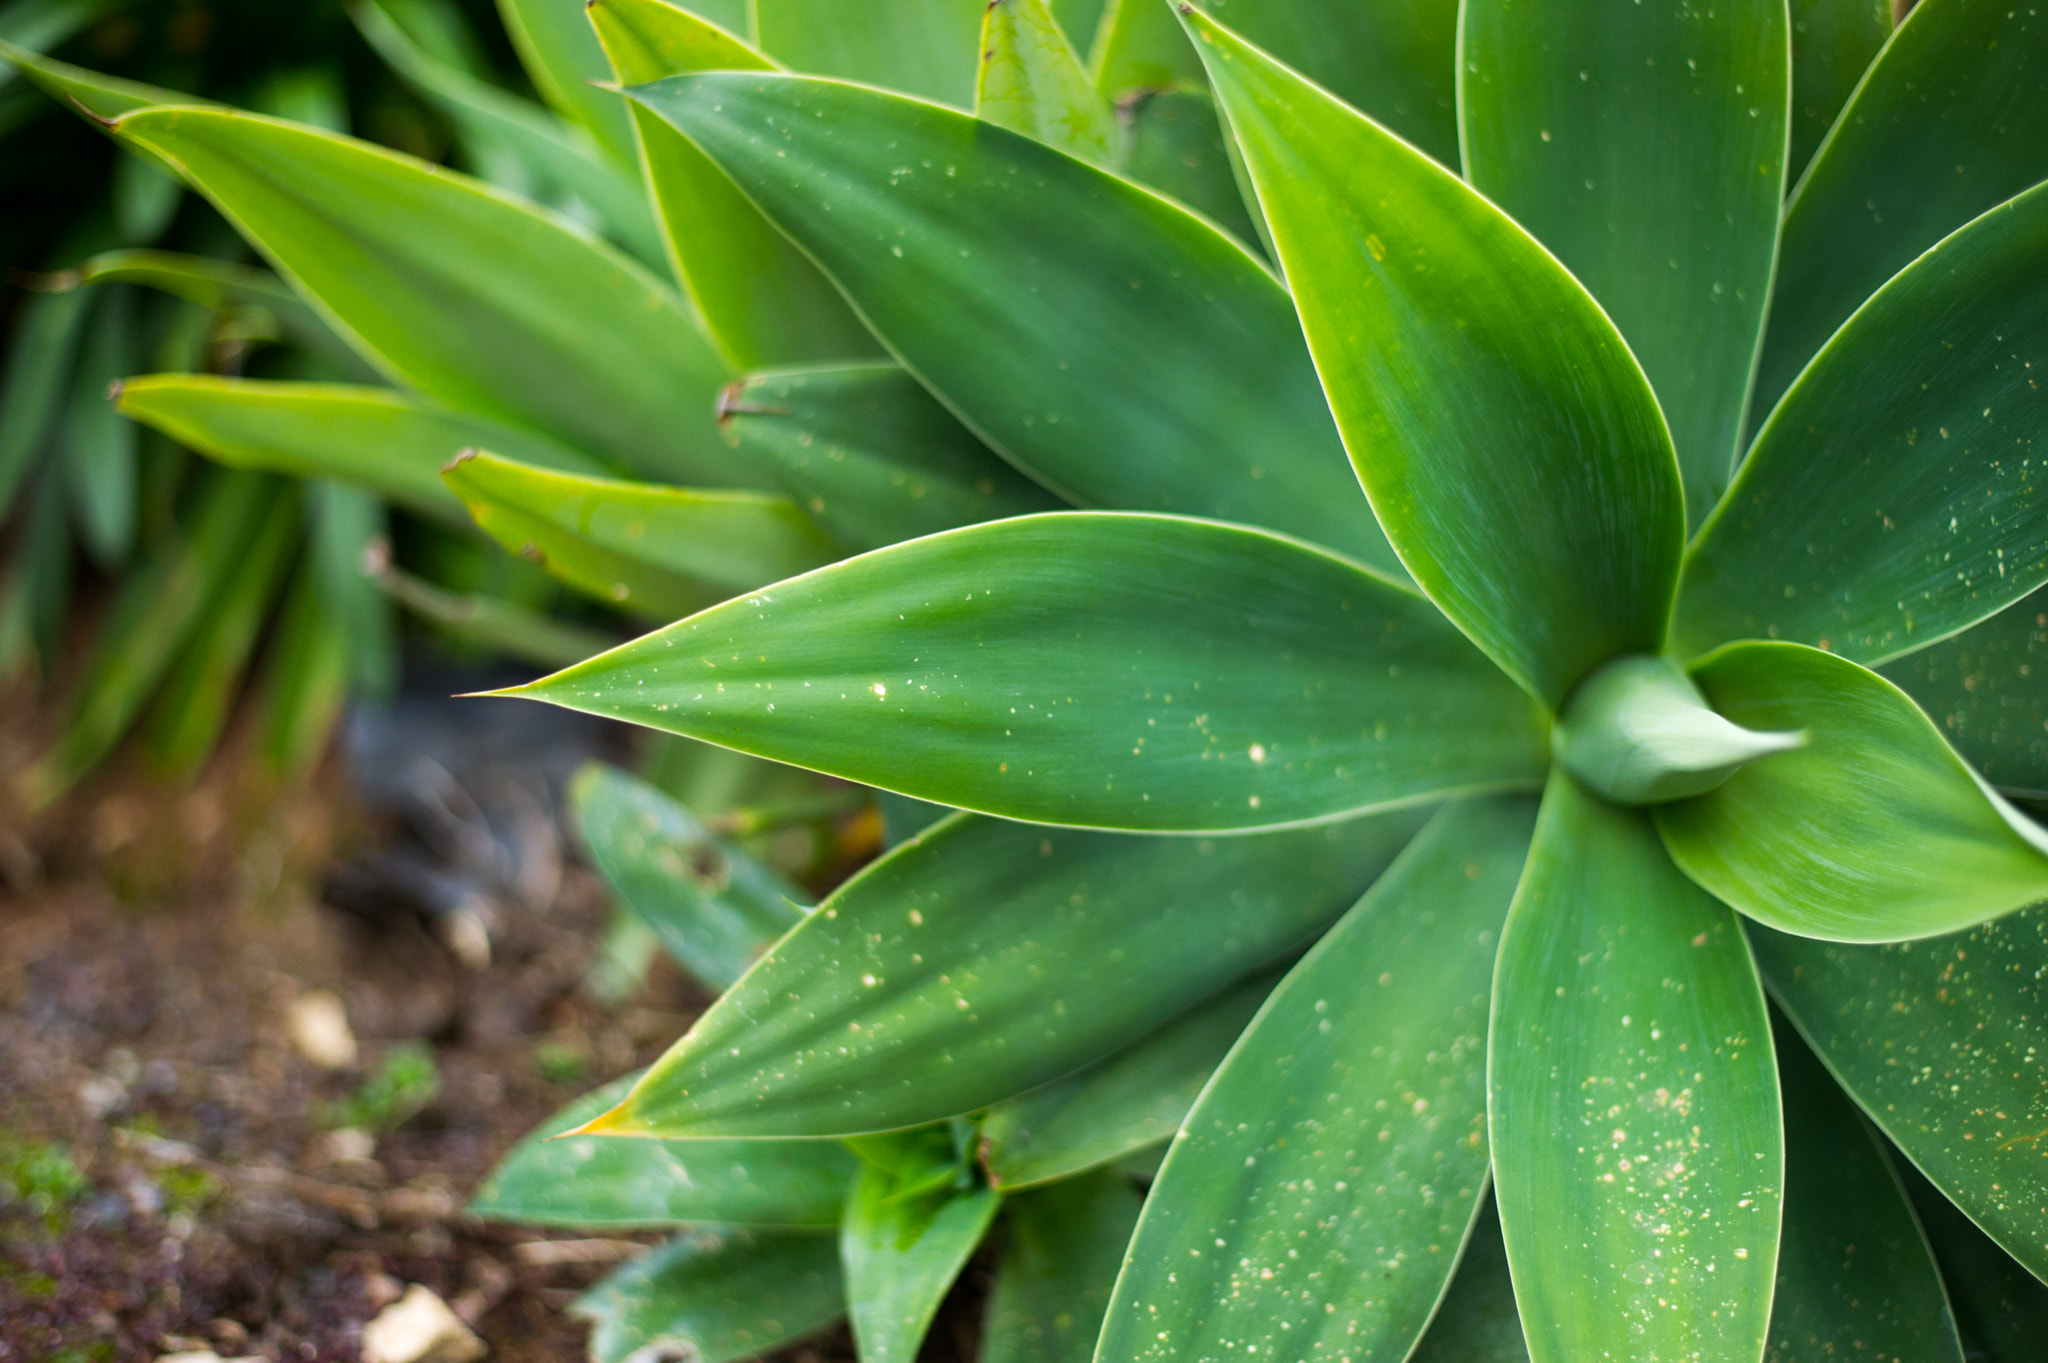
point(406, 1082)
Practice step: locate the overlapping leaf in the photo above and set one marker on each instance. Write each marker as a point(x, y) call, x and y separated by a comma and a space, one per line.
point(1872, 831)
point(715, 1295)
point(983, 959)
point(1982, 691)
point(1508, 441)
point(921, 47)
point(1032, 82)
point(902, 1250)
point(1833, 43)
point(1097, 669)
point(1063, 1247)
point(1637, 1151)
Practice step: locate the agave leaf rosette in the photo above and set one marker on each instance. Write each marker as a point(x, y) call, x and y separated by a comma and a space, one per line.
point(1633, 649)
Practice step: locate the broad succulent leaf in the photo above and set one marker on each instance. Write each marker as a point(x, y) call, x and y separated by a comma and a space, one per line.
point(1874, 830)
point(921, 47)
point(1134, 1099)
point(376, 438)
point(871, 456)
point(1064, 1246)
point(1833, 44)
point(567, 65)
point(465, 294)
point(1639, 732)
point(2001, 1309)
point(713, 907)
point(983, 959)
point(655, 550)
point(1981, 689)
point(1173, 142)
point(762, 301)
point(1637, 1152)
point(1950, 121)
point(902, 1250)
point(1898, 494)
point(1140, 47)
point(1032, 82)
point(1155, 674)
point(1477, 1321)
point(1508, 440)
point(1941, 1043)
point(716, 1294)
point(1855, 1274)
point(1645, 146)
point(1146, 361)
point(597, 1181)
point(1355, 1103)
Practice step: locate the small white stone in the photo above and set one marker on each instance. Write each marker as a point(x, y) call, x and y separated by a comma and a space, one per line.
point(348, 1144)
point(419, 1328)
point(318, 1026)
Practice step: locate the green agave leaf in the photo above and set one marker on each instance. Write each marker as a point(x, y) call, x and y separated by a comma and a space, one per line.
point(1873, 831)
point(1134, 1099)
point(904, 818)
point(1174, 143)
point(1031, 82)
point(982, 959)
point(487, 622)
point(1855, 1275)
point(920, 47)
point(714, 907)
point(604, 1181)
point(763, 302)
point(567, 65)
point(1065, 1245)
point(1833, 44)
point(1637, 1152)
point(94, 447)
point(2001, 1309)
point(871, 456)
point(550, 157)
point(201, 688)
point(1080, 20)
point(373, 437)
point(1895, 497)
point(39, 25)
point(1131, 332)
point(1941, 1043)
point(222, 285)
point(1315, 1201)
point(471, 297)
point(1477, 1321)
point(1140, 46)
point(306, 680)
point(1307, 688)
point(714, 1295)
point(39, 367)
point(1981, 691)
point(348, 526)
point(657, 551)
point(901, 1253)
point(36, 590)
point(159, 604)
point(1645, 145)
point(99, 96)
point(1950, 121)
point(1439, 325)
point(1638, 732)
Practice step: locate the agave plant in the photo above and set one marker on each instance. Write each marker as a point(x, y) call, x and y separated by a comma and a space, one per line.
point(1660, 465)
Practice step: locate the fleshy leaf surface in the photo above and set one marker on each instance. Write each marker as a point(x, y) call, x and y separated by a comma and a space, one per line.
point(871, 456)
point(1645, 146)
point(920, 47)
point(1855, 1274)
point(1477, 1321)
point(714, 908)
point(373, 437)
point(2001, 1309)
point(715, 1295)
point(1833, 44)
point(1982, 691)
point(1317, 1196)
point(468, 295)
point(1508, 441)
point(902, 1252)
point(1089, 668)
point(1898, 494)
point(623, 1182)
point(566, 64)
point(1942, 1043)
point(1132, 335)
point(1950, 121)
point(1638, 732)
point(982, 959)
point(649, 547)
point(1638, 1157)
point(1134, 1099)
point(763, 302)
point(1032, 82)
point(1873, 831)
point(1065, 1245)
point(1174, 143)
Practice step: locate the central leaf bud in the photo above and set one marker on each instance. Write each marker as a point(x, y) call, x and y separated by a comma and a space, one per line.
point(1638, 732)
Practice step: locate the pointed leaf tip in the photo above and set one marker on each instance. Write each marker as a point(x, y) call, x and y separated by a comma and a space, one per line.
point(1639, 732)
